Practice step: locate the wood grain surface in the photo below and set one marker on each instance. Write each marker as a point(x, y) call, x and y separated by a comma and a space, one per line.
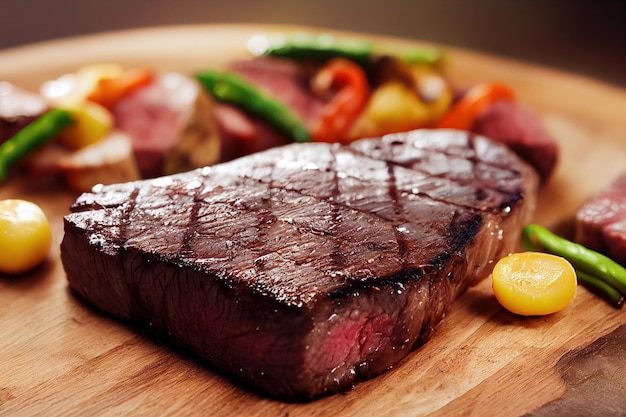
point(59, 357)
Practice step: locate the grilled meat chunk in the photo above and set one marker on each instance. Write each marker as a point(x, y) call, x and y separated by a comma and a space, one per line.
point(305, 268)
point(601, 221)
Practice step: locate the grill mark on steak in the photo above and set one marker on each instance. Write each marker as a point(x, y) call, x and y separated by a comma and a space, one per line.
point(392, 187)
point(481, 194)
point(265, 220)
point(482, 179)
point(296, 279)
point(336, 256)
point(392, 190)
point(190, 231)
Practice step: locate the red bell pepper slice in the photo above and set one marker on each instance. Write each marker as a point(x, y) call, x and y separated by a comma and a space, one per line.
point(475, 102)
point(347, 84)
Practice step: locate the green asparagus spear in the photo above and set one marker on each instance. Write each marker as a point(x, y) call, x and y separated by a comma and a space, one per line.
point(231, 88)
point(31, 137)
point(583, 259)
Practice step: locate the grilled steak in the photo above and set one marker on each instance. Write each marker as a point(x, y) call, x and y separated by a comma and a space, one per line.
point(171, 125)
point(285, 80)
point(18, 108)
point(242, 134)
point(523, 131)
point(306, 268)
point(601, 221)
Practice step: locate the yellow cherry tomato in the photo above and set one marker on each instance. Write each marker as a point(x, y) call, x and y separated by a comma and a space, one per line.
point(534, 283)
point(91, 123)
point(25, 236)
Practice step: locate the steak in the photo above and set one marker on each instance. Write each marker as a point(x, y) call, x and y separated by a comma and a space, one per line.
point(18, 108)
point(303, 269)
point(171, 125)
point(285, 80)
point(601, 221)
point(242, 134)
point(520, 128)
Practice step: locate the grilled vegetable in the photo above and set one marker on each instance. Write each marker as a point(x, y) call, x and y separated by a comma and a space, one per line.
point(311, 46)
point(534, 283)
point(325, 46)
point(231, 88)
point(108, 91)
point(601, 288)
point(91, 123)
point(392, 107)
point(475, 102)
point(347, 84)
point(31, 137)
point(25, 236)
point(71, 89)
point(584, 260)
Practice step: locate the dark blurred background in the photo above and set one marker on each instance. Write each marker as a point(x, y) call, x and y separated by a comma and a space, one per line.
point(582, 36)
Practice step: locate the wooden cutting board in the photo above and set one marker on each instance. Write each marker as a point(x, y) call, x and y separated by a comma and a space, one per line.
point(58, 357)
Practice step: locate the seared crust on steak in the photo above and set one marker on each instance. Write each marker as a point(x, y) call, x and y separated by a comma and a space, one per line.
point(303, 269)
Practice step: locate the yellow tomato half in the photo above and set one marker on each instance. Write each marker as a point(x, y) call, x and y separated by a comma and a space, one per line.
point(91, 123)
point(534, 283)
point(25, 236)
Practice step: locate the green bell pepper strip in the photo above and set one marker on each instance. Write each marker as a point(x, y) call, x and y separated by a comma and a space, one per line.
point(582, 258)
point(325, 46)
point(231, 88)
point(31, 137)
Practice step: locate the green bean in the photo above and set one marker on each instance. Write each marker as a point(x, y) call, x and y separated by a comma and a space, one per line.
point(324, 46)
point(231, 88)
point(423, 55)
point(300, 46)
point(601, 288)
point(582, 258)
point(31, 137)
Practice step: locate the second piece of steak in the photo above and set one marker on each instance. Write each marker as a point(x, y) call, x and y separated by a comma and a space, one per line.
point(303, 269)
point(601, 221)
point(522, 130)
